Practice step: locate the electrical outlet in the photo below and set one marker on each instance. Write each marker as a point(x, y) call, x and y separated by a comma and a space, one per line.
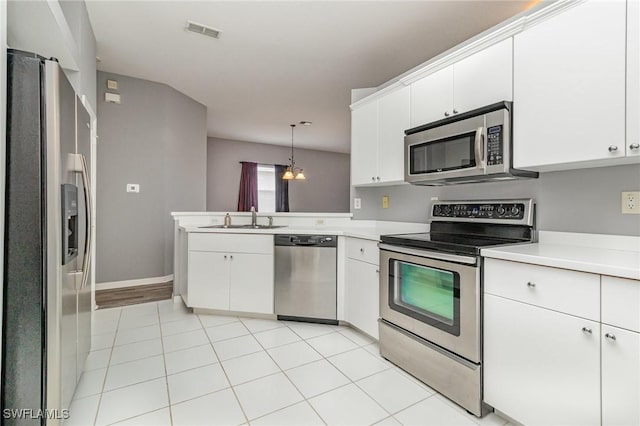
point(357, 203)
point(133, 187)
point(385, 201)
point(631, 202)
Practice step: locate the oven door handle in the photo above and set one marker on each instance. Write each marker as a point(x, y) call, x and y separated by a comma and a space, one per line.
point(479, 147)
point(429, 254)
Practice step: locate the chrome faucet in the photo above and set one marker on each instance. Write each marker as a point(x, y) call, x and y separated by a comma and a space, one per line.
point(254, 217)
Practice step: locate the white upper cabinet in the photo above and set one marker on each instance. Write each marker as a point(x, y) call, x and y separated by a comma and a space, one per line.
point(478, 80)
point(377, 139)
point(484, 78)
point(569, 87)
point(393, 120)
point(364, 143)
point(633, 78)
point(432, 97)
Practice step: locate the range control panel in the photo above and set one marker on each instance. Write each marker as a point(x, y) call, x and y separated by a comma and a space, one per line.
point(507, 210)
point(495, 150)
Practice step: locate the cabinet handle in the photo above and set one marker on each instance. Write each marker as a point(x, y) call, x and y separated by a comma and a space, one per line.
point(231, 257)
point(634, 146)
point(613, 148)
point(361, 250)
point(378, 178)
point(610, 336)
point(446, 114)
point(586, 330)
point(373, 179)
point(455, 111)
point(378, 271)
point(531, 285)
point(225, 257)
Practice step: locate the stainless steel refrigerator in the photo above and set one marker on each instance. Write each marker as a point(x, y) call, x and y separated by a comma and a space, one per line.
point(47, 292)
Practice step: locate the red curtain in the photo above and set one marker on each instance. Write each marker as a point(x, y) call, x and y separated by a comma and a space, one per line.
point(248, 195)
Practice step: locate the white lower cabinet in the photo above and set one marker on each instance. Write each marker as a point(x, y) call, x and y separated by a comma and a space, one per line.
point(362, 304)
point(363, 298)
point(544, 362)
point(251, 283)
point(208, 280)
point(620, 376)
point(239, 280)
point(541, 368)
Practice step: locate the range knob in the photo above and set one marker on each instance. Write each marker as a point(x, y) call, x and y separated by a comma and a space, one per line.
point(447, 210)
point(515, 210)
point(437, 210)
point(501, 211)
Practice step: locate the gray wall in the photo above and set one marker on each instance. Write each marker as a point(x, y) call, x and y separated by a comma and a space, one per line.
point(586, 200)
point(157, 138)
point(325, 190)
point(84, 80)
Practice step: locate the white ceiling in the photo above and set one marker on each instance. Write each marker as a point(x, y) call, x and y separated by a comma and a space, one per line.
point(277, 63)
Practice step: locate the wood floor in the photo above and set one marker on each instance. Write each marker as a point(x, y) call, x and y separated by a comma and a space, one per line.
point(115, 297)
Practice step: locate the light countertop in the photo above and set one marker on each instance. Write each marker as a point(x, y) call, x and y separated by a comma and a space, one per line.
point(369, 232)
point(603, 261)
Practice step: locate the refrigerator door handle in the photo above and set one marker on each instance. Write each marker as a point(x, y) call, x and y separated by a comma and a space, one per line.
point(81, 167)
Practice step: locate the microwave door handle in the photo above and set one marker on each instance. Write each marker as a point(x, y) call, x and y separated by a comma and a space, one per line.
point(479, 147)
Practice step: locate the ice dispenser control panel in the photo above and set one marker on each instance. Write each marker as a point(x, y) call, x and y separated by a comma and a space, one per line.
point(69, 222)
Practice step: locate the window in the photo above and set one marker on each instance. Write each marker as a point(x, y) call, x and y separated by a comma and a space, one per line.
point(266, 188)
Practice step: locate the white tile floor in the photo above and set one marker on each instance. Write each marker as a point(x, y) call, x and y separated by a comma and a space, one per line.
point(159, 364)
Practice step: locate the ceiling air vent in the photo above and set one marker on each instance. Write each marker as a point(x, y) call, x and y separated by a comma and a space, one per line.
point(202, 29)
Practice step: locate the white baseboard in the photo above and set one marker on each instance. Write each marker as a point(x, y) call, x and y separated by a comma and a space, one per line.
point(133, 283)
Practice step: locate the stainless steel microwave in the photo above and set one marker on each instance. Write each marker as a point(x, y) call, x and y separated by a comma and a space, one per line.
point(474, 146)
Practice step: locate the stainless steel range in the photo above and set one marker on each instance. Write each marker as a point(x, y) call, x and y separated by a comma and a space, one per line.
point(431, 293)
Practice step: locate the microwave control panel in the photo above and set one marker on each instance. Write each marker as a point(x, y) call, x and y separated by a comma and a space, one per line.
point(494, 146)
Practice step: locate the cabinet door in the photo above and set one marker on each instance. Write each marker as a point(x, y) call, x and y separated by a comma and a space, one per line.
point(484, 78)
point(208, 280)
point(364, 144)
point(432, 97)
point(633, 77)
point(393, 120)
point(251, 283)
point(569, 87)
point(363, 296)
point(540, 366)
point(620, 376)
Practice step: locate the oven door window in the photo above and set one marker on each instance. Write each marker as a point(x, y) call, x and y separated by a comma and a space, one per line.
point(427, 294)
point(452, 153)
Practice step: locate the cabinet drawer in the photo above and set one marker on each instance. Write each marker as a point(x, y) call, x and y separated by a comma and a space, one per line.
point(571, 292)
point(620, 302)
point(363, 250)
point(231, 243)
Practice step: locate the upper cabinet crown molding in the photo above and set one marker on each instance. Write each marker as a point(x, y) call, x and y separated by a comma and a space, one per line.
point(486, 39)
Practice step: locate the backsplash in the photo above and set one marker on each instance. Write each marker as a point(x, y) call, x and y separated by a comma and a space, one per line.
point(584, 200)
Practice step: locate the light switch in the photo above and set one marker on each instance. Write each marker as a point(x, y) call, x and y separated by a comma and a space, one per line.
point(112, 85)
point(357, 203)
point(133, 187)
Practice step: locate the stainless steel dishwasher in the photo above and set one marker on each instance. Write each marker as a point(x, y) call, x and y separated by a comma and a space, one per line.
point(305, 278)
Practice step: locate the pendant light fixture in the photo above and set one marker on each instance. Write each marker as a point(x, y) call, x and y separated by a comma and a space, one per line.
point(292, 171)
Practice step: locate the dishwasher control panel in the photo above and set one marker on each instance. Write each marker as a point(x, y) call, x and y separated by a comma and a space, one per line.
point(306, 240)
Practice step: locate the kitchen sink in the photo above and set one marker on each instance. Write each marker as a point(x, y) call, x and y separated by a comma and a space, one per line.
point(243, 226)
